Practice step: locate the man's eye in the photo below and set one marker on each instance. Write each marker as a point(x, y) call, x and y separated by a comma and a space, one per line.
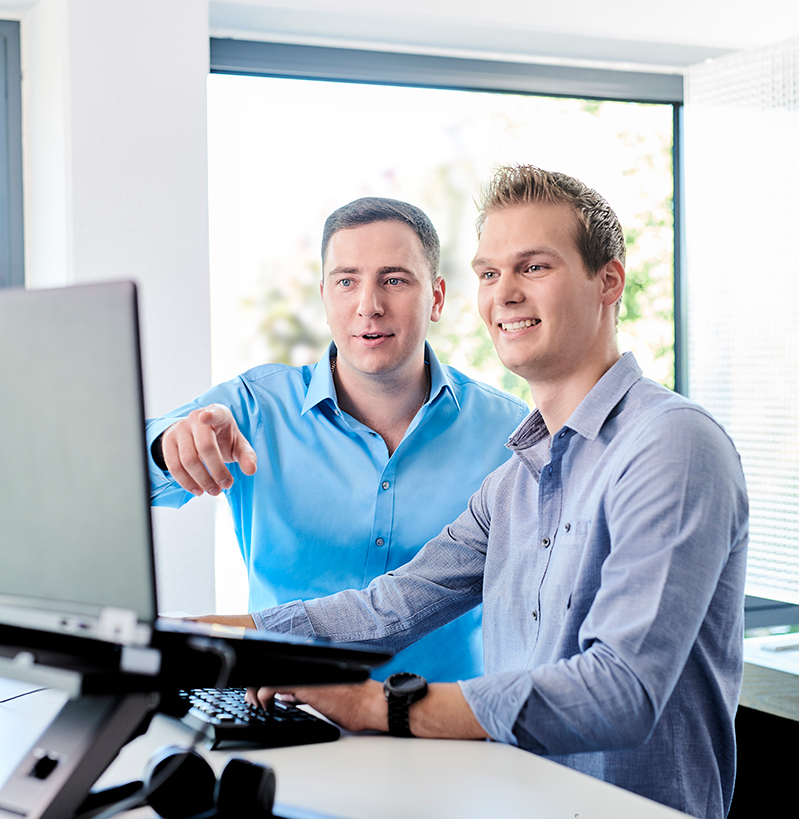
point(345, 282)
point(533, 268)
point(393, 280)
point(488, 274)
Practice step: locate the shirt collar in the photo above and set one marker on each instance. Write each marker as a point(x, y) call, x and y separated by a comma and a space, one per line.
point(321, 387)
point(439, 379)
point(591, 413)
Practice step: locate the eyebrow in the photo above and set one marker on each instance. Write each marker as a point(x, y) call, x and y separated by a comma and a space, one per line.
point(387, 269)
point(341, 270)
point(523, 255)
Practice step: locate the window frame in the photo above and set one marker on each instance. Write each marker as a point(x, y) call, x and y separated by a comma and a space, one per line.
point(12, 269)
point(292, 61)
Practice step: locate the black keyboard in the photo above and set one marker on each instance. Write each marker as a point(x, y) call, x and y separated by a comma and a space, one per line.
point(224, 717)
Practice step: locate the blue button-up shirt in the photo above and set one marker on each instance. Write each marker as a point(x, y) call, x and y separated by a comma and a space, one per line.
point(610, 560)
point(328, 509)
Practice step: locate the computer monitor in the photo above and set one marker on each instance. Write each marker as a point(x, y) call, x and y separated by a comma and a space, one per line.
point(76, 555)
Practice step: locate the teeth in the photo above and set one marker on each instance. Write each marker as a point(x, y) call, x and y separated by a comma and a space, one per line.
point(519, 325)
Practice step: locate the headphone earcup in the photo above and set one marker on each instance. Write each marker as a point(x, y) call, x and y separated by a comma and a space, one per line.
point(246, 789)
point(189, 787)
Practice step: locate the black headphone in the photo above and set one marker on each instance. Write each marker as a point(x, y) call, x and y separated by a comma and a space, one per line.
point(178, 783)
point(191, 790)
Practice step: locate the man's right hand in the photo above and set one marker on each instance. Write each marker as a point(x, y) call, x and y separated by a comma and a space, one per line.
point(197, 448)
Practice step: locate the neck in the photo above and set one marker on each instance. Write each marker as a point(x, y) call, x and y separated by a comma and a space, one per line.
point(385, 404)
point(557, 399)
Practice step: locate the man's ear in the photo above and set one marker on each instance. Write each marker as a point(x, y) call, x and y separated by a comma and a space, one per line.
point(612, 277)
point(439, 291)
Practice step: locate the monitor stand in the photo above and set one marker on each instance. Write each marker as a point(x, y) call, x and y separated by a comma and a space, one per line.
point(54, 779)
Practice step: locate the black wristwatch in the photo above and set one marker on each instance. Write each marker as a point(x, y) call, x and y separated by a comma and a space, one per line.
point(402, 690)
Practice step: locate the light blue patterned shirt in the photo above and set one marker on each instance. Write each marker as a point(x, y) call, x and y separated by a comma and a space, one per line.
point(328, 509)
point(610, 561)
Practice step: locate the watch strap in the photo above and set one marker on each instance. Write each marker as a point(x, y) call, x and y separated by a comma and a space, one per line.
point(399, 724)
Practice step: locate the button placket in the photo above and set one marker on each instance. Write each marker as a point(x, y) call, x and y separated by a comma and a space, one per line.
point(382, 523)
point(550, 501)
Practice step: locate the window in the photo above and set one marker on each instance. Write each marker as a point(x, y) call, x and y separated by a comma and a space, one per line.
point(11, 249)
point(286, 148)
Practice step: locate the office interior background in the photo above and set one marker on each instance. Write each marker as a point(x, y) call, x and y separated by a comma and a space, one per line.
point(106, 176)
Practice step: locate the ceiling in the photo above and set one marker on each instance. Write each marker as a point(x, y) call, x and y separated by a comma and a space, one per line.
point(665, 37)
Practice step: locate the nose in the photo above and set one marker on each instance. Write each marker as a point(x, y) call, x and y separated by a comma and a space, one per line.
point(370, 303)
point(507, 290)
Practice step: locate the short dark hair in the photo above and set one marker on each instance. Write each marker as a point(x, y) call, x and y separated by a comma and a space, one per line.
point(599, 238)
point(370, 209)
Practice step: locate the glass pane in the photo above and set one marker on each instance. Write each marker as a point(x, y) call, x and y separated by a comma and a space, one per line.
point(285, 153)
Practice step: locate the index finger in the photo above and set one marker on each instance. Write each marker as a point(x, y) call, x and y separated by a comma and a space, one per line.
point(229, 440)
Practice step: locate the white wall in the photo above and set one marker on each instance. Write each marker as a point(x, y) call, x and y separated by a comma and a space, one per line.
point(114, 122)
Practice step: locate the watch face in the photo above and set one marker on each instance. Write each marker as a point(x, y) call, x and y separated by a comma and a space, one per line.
point(406, 683)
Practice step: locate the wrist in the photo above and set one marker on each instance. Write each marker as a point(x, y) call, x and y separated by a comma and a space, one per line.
point(364, 707)
point(378, 710)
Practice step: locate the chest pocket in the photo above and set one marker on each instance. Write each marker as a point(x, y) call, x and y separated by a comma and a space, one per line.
point(567, 555)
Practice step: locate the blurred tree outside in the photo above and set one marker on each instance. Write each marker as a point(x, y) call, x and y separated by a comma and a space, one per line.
point(433, 148)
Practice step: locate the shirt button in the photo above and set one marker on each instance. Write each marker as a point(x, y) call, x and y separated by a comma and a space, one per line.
point(380, 541)
point(545, 542)
point(567, 527)
point(385, 484)
point(535, 614)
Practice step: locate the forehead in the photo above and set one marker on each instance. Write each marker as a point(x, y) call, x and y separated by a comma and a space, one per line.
point(388, 243)
point(529, 227)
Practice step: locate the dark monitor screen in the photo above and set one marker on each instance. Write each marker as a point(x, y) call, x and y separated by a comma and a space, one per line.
point(75, 537)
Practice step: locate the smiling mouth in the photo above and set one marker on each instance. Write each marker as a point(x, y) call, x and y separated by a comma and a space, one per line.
point(511, 326)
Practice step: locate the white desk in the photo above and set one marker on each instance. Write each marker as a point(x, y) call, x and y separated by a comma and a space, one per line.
point(771, 675)
point(371, 777)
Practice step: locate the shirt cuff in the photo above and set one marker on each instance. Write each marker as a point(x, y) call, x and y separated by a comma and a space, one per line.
point(155, 429)
point(496, 701)
point(288, 618)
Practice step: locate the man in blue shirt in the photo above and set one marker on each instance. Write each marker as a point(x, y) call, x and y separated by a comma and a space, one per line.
point(339, 472)
point(609, 552)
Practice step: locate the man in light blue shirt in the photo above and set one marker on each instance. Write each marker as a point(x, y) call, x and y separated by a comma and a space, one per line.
point(339, 472)
point(609, 553)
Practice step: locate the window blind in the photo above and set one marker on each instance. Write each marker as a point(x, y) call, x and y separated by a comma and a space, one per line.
point(742, 285)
